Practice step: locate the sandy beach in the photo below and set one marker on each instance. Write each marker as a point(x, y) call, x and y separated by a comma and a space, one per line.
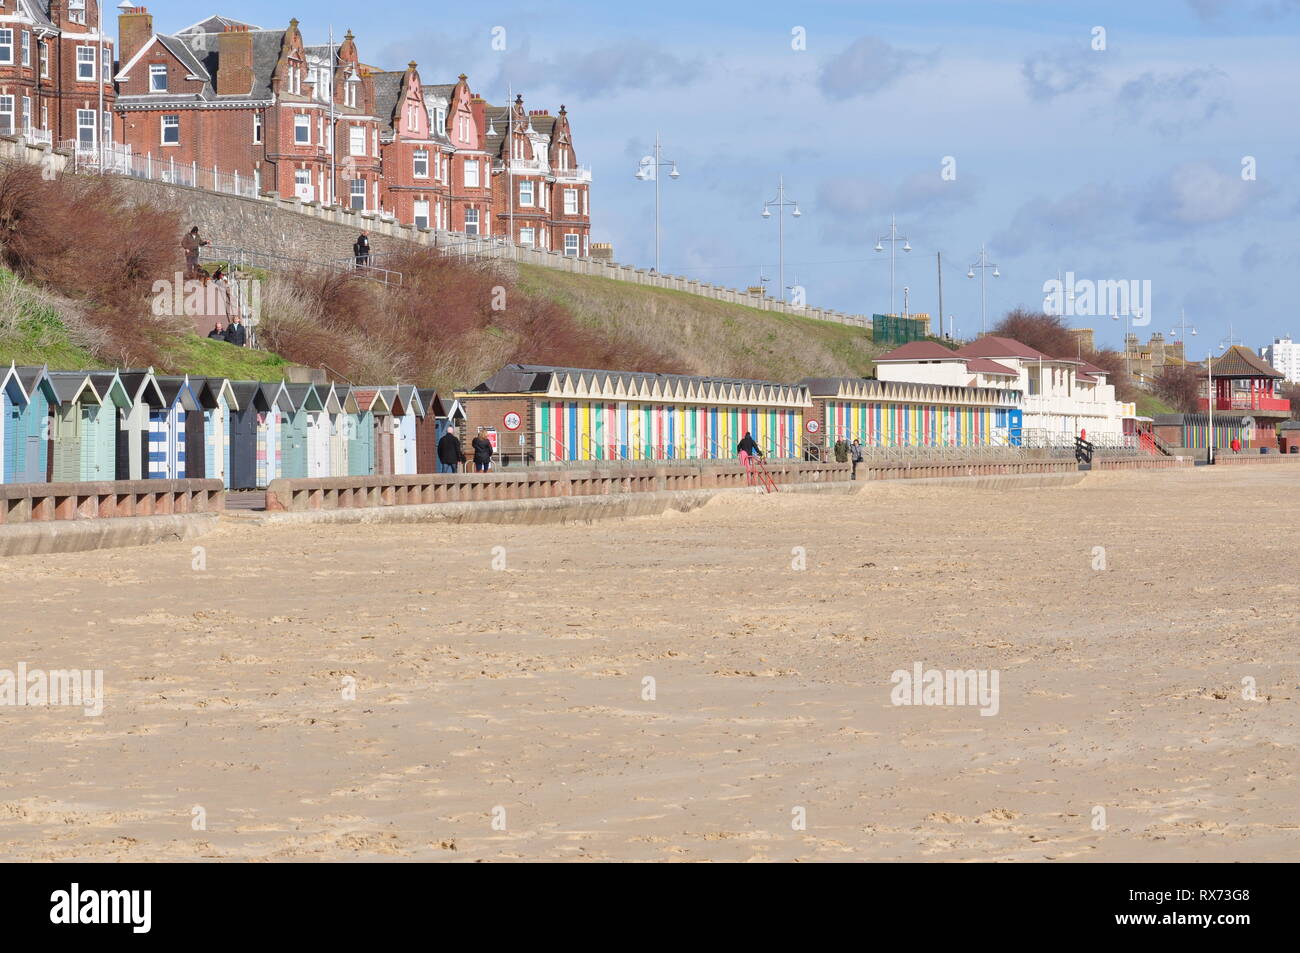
point(502, 709)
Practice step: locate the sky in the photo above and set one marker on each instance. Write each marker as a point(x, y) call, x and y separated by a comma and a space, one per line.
point(1146, 140)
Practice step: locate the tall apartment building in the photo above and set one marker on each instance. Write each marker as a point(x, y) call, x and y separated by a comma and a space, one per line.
point(1283, 354)
point(52, 75)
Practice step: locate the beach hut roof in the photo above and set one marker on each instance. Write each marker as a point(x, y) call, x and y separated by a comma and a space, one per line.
point(432, 402)
point(304, 397)
point(372, 399)
point(177, 390)
point(109, 386)
point(143, 388)
point(211, 389)
point(33, 378)
point(249, 393)
point(411, 400)
point(277, 397)
point(72, 386)
point(329, 398)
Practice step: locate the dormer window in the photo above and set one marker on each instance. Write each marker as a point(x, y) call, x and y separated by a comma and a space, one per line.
point(442, 121)
point(77, 11)
point(158, 78)
point(350, 92)
point(295, 80)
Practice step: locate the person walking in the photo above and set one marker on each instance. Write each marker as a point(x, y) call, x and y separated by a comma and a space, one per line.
point(855, 454)
point(746, 450)
point(361, 250)
point(191, 244)
point(236, 333)
point(841, 451)
point(217, 333)
point(450, 454)
point(482, 452)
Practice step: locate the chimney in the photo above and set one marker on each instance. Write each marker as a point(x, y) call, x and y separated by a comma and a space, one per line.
point(235, 61)
point(134, 30)
point(478, 109)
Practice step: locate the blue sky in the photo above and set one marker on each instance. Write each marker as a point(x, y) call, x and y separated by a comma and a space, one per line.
point(1120, 163)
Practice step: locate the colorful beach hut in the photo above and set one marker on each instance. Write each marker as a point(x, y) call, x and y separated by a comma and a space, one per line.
point(133, 430)
point(83, 438)
point(176, 432)
point(429, 430)
point(297, 435)
point(405, 431)
point(31, 425)
point(343, 430)
point(268, 431)
point(375, 430)
point(320, 440)
point(217, 398)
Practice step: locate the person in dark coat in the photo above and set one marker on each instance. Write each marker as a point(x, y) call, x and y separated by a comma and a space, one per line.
point(482, 452)
point(747, 449)
point(450, 454)
point(361, 250)
point(236, 334)
point(217, 333)
point(855, 454)
point(191, 244)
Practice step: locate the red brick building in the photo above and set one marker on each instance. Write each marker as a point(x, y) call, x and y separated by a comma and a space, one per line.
point(237, 98)
point(52, 74)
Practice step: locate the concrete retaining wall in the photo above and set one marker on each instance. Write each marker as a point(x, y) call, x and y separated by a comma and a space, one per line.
point(31, 539)
point(107, 500)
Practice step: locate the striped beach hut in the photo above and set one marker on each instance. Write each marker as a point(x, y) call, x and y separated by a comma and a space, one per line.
point(249, 404)
point(297, 435)
point(133, 430)
point(279, 406)
point(175, 432)
point(374, 441)
point(31, 425)
point(343, 430)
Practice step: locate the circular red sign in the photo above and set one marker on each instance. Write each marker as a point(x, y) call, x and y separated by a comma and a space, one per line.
point(511, 421)
point(813, 425)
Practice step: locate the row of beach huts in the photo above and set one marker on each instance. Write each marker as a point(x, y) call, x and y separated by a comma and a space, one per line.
point(68, 426)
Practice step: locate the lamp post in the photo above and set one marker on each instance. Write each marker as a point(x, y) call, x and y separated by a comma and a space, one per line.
point(649, 169)
point(983, 265)
point(780, 203)
point(893, 238)
point(1127, 331)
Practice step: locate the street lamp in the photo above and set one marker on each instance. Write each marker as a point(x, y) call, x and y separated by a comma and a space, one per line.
point(780, 203)
point(649, 169)
point(893, 238)
point(983, 265)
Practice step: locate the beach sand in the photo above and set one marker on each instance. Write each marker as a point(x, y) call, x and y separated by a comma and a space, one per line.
point(500, 713)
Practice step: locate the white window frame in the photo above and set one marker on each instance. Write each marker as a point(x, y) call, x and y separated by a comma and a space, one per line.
point(27, 114)
point(442, 120)
point(353, 192)
point(156, 70)
point(528, 236)
point(164, 125)
point(7, 106)
point(301, 121)
point(43, 57)
point(415, 213)
point(420, 157)
point(92, 126)
point(257, 128)
point(86, 56)
point(356, 140)
point(532, 193)
point(27, 47)
point(471, 221)
point(574, 244)
point(471, 181)
point(6, 46)
point(350, 92)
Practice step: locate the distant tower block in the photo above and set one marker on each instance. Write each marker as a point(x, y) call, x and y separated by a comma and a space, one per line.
point(602, 250)
point(1083, 338)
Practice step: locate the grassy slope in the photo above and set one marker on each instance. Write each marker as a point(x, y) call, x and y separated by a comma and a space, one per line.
point(1148, 405)
point(705, 336)
point(35, 332)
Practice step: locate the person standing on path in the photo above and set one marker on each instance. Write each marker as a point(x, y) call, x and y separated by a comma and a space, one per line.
point(450, 454)
point(191, 244)
point(361, 250)
point(855, 454)
point(482, 452)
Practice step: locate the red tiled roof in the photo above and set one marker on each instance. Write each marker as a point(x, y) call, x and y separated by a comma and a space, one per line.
point(365, 396)
point(1087, 368)
point(982, 365)
point(920, 351)
point(1080, 376)
point(990, 346)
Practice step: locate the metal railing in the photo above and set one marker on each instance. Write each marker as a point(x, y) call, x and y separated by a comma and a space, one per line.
point(119, 159)
point(244, 258)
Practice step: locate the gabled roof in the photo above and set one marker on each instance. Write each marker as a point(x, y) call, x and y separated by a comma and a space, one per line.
point(73, 386)
point(982, 365)
point(371, 399)
point(143, 388)
point(1240, 361)
point(214, 24)
point(992, 346)
point(214, 388)
point(304, 397)
point(34, 378)
point(919, 351)
point(411, 399)
point(177, 390)
point(109, 386)
point(249, 394)
point(432, 402)
point(198, 51)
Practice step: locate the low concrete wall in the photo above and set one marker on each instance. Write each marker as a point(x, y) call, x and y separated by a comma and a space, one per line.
point(32, 539)
point(107, 500)
point(1246, 459)
point(913, 471)
point(343, 493)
